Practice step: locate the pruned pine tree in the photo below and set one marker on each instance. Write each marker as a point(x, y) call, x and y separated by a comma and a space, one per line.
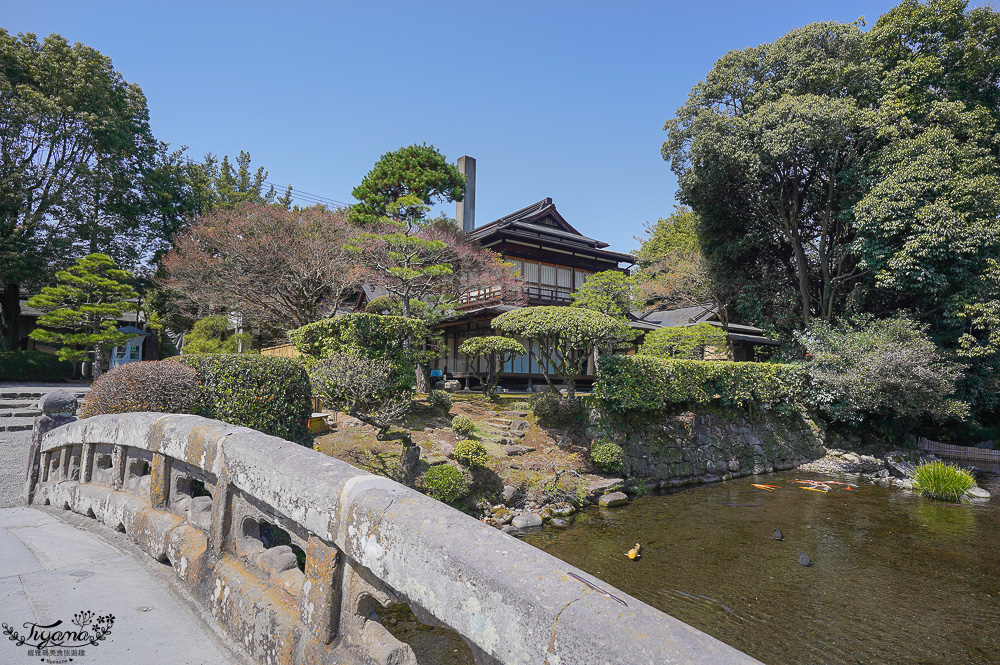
point(83, 311)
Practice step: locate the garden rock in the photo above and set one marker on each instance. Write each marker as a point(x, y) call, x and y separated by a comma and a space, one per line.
point(447, 449)
point(898, 464)
point(514, 414)
point(527, 520)
point(508, 492)
point(604, 485)
point(514, 451)
point(519, 425)
point(560, 523)
point(562, 509)
point(612, 500)
point(502, 515)
point(353, 422)
point(977, 493)
point(452, 385)
point(509, 530)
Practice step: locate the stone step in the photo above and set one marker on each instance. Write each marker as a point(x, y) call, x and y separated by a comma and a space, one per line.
point(17, 404)
point(19, 414)
point(36, 395)
point(16, 424)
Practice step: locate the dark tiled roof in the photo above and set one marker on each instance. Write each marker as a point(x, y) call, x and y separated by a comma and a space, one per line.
point(527, 223)
point(684, 316)
point(688, 316)
point(132, 330)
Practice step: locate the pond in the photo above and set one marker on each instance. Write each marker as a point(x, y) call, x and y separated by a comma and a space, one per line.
point(895, 578)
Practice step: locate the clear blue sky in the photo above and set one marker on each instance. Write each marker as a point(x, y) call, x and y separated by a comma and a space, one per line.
point(561, 99)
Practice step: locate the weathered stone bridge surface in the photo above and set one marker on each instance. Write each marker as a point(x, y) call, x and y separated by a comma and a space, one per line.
point(212, 499)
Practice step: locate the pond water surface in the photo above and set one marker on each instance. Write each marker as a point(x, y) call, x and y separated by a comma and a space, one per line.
point(895, 578)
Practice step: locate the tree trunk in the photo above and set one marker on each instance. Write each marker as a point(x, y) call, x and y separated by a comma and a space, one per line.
point(802, 268)
point(10, 316)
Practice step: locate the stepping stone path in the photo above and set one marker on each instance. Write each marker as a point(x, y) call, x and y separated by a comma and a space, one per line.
point(18, 408)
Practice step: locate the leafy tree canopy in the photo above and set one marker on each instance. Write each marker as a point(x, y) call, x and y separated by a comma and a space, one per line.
point(611, 291)
point(837, 172)
point(69, 119)
point(496, 350)
point(880, 368)
point(684, 342)
point(216, 334)
point(418, 173)
point(565, 337)
point(278, 268)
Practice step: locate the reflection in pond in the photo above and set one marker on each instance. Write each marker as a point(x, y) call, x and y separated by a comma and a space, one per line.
point(895, 578)
point(431, 645)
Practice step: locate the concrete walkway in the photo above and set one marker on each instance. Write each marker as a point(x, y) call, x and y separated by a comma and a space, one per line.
point(55, 565)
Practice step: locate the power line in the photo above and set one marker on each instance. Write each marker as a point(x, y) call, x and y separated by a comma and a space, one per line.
point(307, 197)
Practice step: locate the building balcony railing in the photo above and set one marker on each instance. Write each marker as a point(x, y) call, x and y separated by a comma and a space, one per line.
point(536, 295)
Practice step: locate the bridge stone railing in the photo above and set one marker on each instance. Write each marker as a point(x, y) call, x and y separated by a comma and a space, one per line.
point(212, 500)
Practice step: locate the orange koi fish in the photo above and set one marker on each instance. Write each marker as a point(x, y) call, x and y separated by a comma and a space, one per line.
point(769, 488)
point(814, 489)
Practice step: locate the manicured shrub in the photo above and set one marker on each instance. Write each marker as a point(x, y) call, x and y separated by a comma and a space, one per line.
point(522, 405)
point(215, 334)
point(555, 410)
point(645, 383)
point(269, 394)
point(938, 480)
point(33, 366)
point(494, 349)
point(471, 453)
point(686, 342)
point(362, 387)
point(444, 482)
point(607, 455)
point(393, 339)
point(463, 425)
point(440, 400)
point(158, 386)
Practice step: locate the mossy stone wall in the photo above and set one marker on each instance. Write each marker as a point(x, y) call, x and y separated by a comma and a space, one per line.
point(712, 445)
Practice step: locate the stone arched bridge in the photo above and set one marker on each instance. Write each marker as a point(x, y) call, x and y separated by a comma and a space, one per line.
point(212, 500)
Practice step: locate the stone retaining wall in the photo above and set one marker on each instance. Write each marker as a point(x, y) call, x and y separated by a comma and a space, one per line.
point(711, 446)
point(201, 495)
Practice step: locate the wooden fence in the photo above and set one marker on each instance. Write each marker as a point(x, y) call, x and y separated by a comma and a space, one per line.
point(281, 351)
point(964, 453)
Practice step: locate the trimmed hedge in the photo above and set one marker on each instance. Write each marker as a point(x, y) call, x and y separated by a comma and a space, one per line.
point(33, 366)
point(463, 425)
point(607, 455)
point(272, 395)
point(445, 483)
point(646, 383)
point(440, 401)
point(160, 387)
point(471, 453)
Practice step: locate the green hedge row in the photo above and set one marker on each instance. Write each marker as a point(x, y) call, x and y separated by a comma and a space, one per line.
point(33, 366)
point(272, 395)
point(647, 383)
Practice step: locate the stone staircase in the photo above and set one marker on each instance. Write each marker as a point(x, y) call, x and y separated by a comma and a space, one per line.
point(18, 408)
point(510, 421)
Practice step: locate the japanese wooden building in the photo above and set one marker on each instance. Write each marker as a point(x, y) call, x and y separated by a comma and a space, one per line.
point(553, 260)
